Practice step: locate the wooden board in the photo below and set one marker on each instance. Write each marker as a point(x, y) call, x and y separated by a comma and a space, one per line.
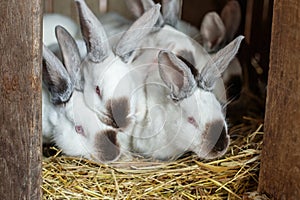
point(20, 100)
point(280, 166)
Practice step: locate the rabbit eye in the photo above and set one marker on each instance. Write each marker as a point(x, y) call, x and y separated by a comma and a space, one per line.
point(98, 91)
point(192, 121)
point(79, 129)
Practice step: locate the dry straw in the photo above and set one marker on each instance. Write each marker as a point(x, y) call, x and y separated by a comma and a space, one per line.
point(230, 177)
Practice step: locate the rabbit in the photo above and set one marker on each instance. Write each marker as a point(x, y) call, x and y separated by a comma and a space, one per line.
point(66, 119)
point(160, 100)
point(212, 35)
point(218, 30)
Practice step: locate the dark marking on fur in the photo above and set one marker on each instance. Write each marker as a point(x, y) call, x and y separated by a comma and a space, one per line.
point(188, 56)
point(222, 142)
point(193, 69)
point(217, 135)
point(107, 146)
point(117, 113)
point(56, 85)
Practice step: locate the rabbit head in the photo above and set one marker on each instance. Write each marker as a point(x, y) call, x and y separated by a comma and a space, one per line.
point(106, 79)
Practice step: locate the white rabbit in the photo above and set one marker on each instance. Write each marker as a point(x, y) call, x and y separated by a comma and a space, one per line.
point(67, 121)
point(172, 109)
point(178, 127)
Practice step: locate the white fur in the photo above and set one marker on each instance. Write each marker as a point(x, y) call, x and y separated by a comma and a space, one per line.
point(114, 80)
point(167, 133)
point(59, 126)
point(212, 28)
point(161, 128)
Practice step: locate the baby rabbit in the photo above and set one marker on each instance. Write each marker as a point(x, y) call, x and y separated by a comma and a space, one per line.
point(161, 101)
point(67, 120)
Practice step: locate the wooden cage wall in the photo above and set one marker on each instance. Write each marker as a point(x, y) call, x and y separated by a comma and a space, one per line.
point(20, 99)
point(20, 94)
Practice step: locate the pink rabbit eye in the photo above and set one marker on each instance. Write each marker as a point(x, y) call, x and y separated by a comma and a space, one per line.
point(79, 129)
point(98, 91)
point(192, 121)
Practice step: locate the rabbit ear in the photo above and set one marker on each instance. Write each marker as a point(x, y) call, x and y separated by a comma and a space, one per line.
point(93, 33)
point(171, 10)
point(139, 7)
point(56, 78)
point(212, 31)
point(218, 64)
point(231, 16)
point(107, 146)
point(176, 75)
point(70, 52)
point(131, 39)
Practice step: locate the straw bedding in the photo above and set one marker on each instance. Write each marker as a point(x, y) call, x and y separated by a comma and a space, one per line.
point(232, 176)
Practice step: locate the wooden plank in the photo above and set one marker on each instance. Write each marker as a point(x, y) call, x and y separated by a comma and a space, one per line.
point(20, 100)
point(280, 166)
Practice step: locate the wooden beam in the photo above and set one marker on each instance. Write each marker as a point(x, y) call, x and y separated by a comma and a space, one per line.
point(20, 99)
point(280, 165)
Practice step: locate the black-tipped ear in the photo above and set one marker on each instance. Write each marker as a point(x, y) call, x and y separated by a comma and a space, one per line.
point(171, 10)
point(70, 53)
point(218, 64)
point(132, 38)
point(56, 78)
point(176, 75)
point(93, 33)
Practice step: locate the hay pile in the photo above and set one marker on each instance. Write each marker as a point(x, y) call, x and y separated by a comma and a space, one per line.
point(229, 177)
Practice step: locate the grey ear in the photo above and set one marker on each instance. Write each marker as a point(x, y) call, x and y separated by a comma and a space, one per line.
point(176, 75)
point(171, 10)
point(231, 16)
point(93, 33)
point(139, 7)
point(70, 53)
point(56, 78)
point(218, 64)
point(212, 31)
point(132, 38)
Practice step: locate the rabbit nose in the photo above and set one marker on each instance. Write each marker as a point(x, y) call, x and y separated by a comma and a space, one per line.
point(217, 136)
point(222, 141)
